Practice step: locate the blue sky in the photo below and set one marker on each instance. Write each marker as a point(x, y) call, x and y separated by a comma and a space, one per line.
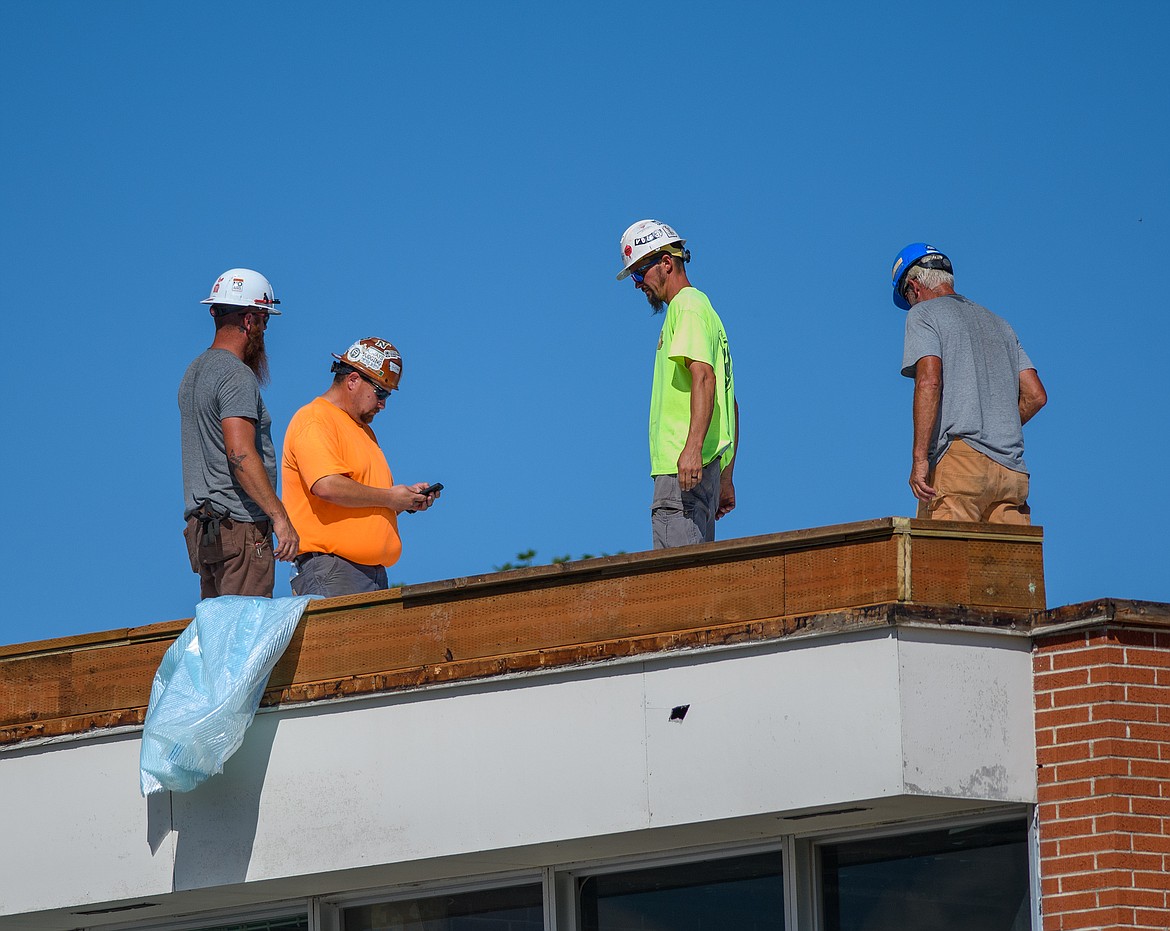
point(455, 178)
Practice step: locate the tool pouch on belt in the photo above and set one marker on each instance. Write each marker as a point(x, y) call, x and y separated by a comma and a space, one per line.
point(204, 535)
point(210, 515)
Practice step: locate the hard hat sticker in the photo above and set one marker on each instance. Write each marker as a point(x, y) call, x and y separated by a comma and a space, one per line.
point(657, 234)
point(367, 356)
point(237, 284)
point(396, 369)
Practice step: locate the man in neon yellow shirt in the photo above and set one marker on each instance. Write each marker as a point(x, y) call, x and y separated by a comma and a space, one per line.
point(694, 417)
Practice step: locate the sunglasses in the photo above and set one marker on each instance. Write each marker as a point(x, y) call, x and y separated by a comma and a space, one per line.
point(379, 392)
point(639, 273)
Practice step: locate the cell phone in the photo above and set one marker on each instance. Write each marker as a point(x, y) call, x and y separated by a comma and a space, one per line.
point(429, 490)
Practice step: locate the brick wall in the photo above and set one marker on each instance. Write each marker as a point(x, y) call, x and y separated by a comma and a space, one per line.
point(1103, 754)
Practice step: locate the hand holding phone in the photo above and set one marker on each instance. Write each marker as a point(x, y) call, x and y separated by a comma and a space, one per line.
point(428, 491)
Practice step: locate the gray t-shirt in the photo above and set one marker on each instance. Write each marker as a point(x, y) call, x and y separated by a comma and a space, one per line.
point(218, 385)
point(981, 363)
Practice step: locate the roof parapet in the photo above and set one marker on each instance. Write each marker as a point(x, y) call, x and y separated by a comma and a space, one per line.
point(845, 576)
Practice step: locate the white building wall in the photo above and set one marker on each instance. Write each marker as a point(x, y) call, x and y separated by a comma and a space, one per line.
point(964, 707)
point(490, 771)
point(75, 827)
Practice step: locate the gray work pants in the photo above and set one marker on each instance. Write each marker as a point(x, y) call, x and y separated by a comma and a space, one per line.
point(329, 575)
point(679, 517)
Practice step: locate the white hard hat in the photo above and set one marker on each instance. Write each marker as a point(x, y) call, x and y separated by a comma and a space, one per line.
point(643, 238)
point(243, 287)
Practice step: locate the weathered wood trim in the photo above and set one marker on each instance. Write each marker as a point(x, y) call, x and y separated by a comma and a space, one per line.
point(1103, 612)
point(478, 668)
point(529, 618)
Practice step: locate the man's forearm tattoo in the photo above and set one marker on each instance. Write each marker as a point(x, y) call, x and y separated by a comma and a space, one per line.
point(235, 459)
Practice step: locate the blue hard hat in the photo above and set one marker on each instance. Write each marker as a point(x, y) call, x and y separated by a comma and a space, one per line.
point(913, 254)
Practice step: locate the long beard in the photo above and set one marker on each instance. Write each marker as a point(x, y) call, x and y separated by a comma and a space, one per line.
point(256, 356)
point(656, 304)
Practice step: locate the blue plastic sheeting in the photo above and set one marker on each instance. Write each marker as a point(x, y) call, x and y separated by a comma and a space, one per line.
point(209, 685)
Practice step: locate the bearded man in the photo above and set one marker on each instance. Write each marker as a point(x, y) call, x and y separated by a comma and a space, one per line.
point(694, 416)
point(229, 463)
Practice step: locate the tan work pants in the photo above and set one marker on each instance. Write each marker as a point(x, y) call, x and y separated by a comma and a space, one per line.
point(970, 486)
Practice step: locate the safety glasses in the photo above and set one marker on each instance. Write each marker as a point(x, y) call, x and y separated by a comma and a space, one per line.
point(639, 273)
point(379, 392)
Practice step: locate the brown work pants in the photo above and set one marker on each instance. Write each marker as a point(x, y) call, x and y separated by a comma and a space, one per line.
point(969, 486)
point(238, 562)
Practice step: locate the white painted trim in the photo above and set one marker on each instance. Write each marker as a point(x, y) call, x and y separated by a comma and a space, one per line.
point(567, 903)
point(793, 880)
point(1034, 870)
point(548, 895)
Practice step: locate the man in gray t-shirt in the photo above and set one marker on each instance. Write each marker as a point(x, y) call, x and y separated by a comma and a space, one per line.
point(974, 389)
point(229, 464)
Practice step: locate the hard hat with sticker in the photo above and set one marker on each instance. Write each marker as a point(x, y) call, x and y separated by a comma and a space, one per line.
point(375, 358)
point(646, 237)
point(244, 288)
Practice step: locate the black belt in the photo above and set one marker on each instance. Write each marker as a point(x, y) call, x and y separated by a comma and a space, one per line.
point(305, 557)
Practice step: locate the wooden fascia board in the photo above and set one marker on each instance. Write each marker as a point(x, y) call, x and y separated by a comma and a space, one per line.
point(631, 602)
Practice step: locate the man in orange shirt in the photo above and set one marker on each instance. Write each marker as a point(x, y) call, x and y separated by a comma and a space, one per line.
point(338, 488)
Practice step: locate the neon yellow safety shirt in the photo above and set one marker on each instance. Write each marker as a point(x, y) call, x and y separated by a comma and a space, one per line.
point(691, 330)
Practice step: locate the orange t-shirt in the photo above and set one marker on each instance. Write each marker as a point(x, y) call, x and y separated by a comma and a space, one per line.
point(324, 440)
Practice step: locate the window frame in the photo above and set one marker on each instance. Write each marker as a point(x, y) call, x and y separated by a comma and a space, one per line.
point(814, 890)
point(426, 889)
point(800, 860)
point(569, 875)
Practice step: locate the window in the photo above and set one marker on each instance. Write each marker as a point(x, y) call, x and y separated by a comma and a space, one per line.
point(293, 923)
point(744, 893)
point(517, 908)
point(971, 878)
